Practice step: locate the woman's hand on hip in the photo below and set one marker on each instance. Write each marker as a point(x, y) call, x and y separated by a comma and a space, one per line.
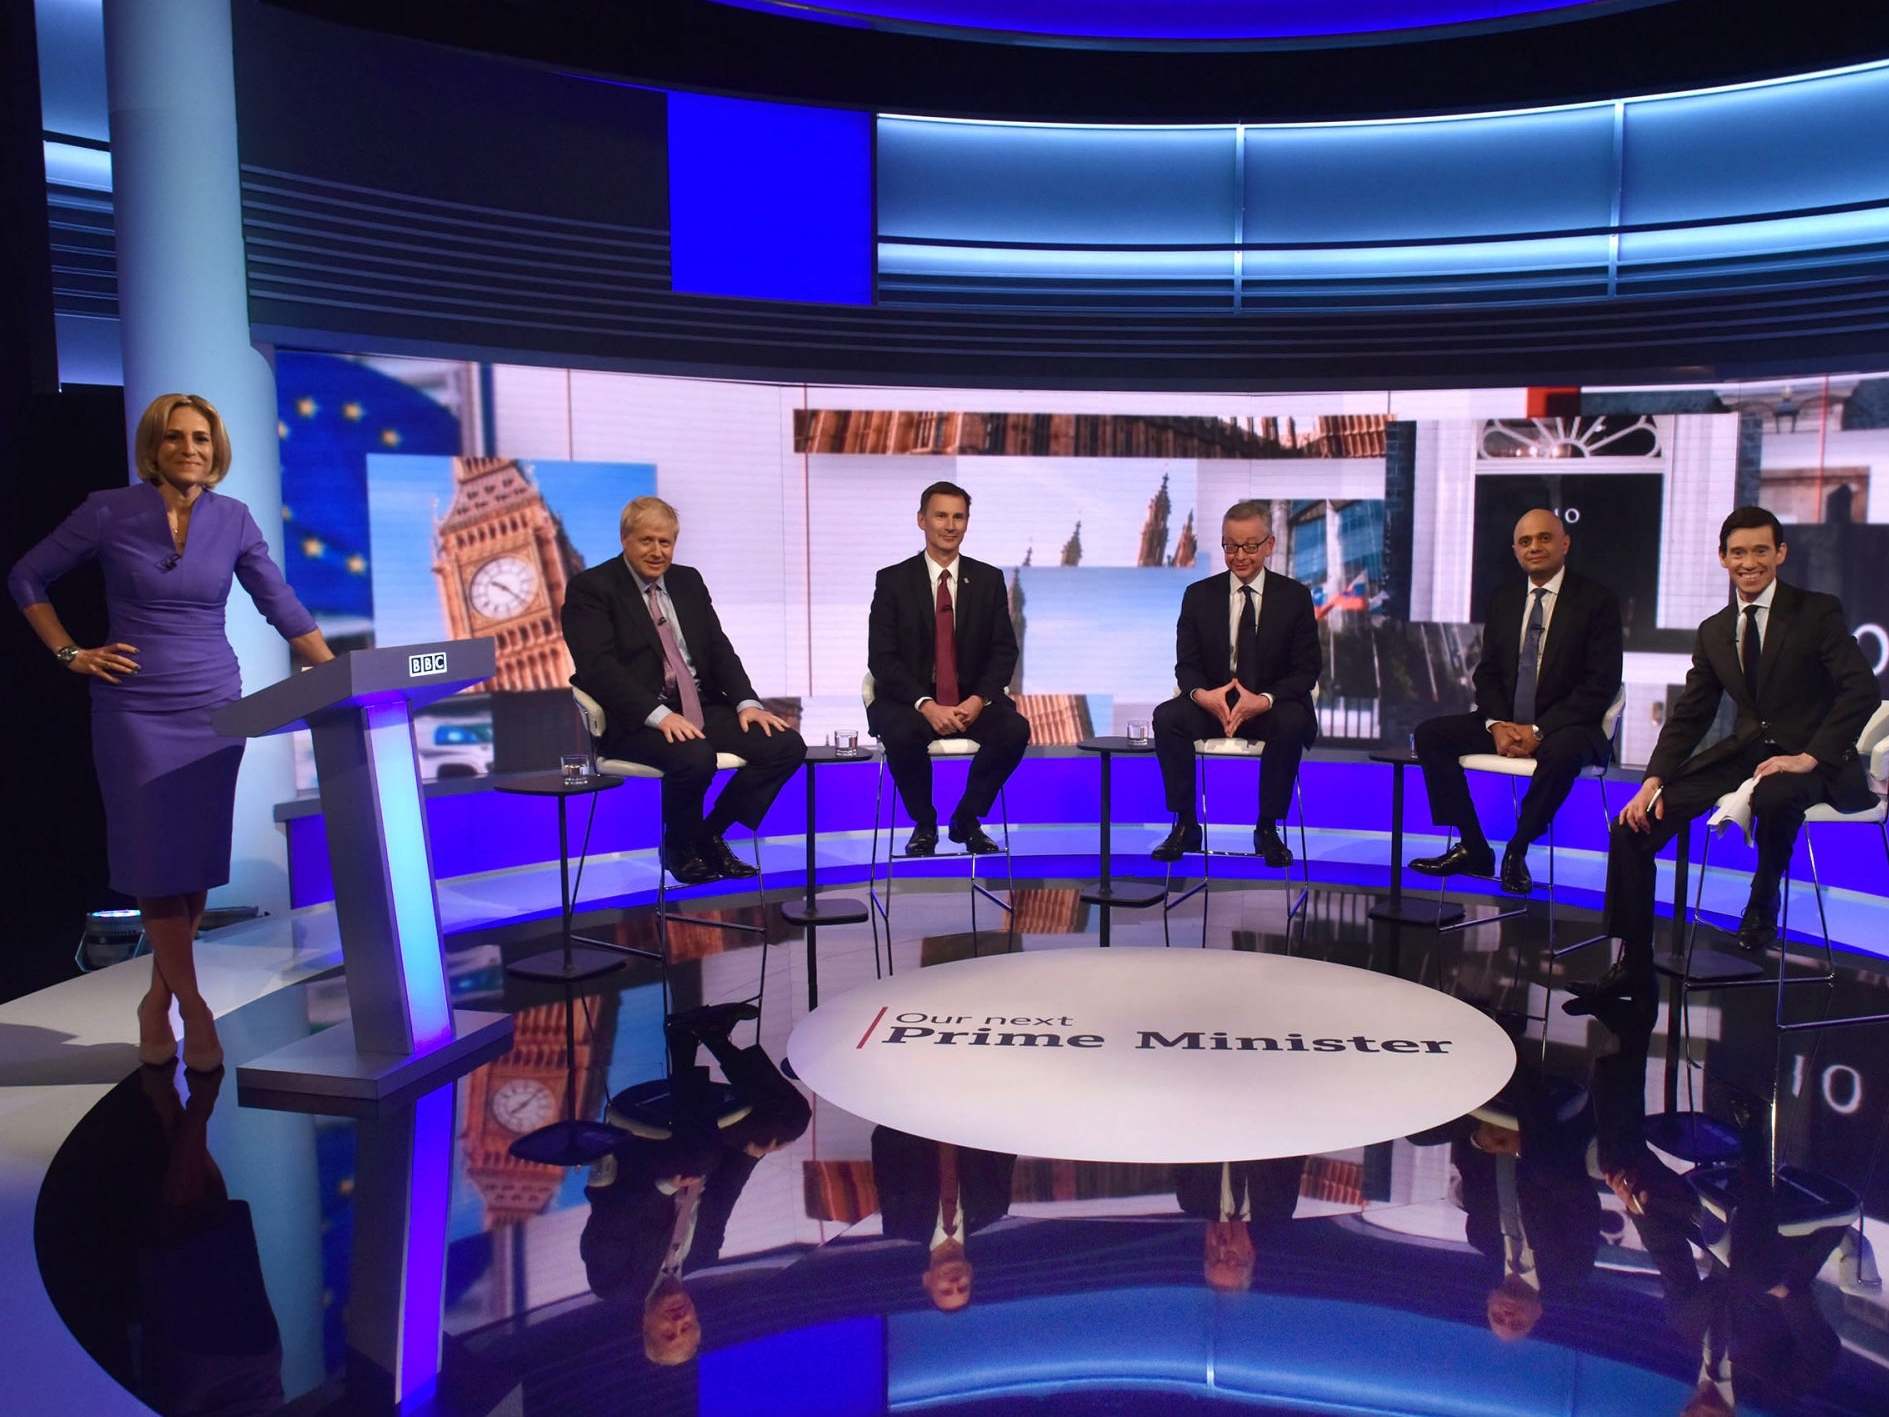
point(107, 662)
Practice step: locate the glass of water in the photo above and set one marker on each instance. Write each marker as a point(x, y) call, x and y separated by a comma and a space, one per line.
point(1139, 731)
point(577, 766)
point(845, 742)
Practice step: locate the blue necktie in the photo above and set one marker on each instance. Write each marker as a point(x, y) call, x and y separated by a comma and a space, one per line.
point(1531, 659)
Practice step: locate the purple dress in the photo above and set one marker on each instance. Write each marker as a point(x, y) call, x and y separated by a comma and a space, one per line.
point(168, 779)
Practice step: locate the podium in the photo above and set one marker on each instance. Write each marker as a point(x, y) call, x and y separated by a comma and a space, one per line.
point(403, 1033)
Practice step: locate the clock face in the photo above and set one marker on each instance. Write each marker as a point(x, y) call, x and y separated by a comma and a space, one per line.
point(523, 1105)
point(503, 587)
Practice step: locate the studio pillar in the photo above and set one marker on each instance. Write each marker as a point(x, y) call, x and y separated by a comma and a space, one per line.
point(183, 304)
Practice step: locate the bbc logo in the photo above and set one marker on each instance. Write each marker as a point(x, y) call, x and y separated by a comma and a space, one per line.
point(421, 664)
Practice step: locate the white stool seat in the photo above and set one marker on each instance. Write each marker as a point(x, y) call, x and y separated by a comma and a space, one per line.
point(1228, 747)
point(623, 767)
point(951, 747)
point(1869, 816)
point(1495, 762)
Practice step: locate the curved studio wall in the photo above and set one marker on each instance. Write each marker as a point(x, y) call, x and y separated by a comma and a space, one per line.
point(406, 197)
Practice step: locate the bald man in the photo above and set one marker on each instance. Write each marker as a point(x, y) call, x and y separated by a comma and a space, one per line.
point(1550, 668)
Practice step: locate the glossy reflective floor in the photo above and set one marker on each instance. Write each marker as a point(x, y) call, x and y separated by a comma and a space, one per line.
point(1630, 1227)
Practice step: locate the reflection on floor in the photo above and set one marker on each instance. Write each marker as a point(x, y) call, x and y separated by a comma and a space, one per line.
point(742, 1251)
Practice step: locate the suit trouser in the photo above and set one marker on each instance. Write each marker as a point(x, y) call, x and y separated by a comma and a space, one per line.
point(1778, 804)
point(688, 768)
point(1287, 729)
point(1001, 735)
point(1558, 762)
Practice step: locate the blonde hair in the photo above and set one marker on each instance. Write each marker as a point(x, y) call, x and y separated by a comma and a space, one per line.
point(157, 418)
point(644, 507)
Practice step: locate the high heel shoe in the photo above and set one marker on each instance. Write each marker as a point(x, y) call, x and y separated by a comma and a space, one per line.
point(154, 1052)
point(198, 1058)
point(205, 1060)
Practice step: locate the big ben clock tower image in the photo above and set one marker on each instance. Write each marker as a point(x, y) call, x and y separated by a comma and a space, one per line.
point(503, 561)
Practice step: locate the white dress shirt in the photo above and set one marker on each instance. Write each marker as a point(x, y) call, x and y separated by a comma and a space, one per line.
point(950, 573)
point(1763, 617)
point(662, 711)
point(1548, 602)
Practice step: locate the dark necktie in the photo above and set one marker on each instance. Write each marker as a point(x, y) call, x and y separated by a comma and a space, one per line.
point(948, 1190)
point(1752, 652)
point(1246, 650)
point(1527, 670)
point(945, 649)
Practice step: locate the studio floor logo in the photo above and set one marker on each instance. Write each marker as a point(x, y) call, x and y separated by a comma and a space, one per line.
point(1151, 1055)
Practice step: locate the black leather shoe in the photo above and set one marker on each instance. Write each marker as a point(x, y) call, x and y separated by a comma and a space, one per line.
point(1619, 1014)
point(1272, 851)
point(923, 841)
point(731, 867)
point(1515, 877)
point(1459, 860)
point(689, 870)
point(1757, 928)
point(711, 1020)
point(971, 836)
point(1185, 837)
point(1621, 981)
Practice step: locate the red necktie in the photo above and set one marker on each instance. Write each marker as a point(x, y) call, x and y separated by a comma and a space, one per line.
point(945, 652)
point(948, 1189)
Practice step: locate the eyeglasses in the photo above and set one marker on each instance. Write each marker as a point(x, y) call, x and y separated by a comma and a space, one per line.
point(1245, 548)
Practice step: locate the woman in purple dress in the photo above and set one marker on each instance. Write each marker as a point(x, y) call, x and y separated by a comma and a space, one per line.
point(169, 547)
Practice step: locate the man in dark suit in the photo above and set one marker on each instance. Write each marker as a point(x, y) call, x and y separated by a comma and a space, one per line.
point(941, 649)
point(1238, 1200)
point(660, 1204)
point(1550, 668)
point(939, 1195)
point(1246, 659)
point(1802, 692)
point(649, 647)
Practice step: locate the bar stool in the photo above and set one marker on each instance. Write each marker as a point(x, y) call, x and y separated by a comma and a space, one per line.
point(1808, 1203)
point(1872, 744)
point(1516, 770)
point(595, 722)
point(882, 905)
point(1204, 749)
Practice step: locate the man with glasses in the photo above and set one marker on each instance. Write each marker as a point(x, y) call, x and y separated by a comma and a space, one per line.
point(1246, 660)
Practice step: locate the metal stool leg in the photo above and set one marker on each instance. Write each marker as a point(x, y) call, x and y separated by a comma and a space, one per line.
point(1606, 826)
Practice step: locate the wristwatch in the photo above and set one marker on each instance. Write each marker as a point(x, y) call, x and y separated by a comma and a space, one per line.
point(65, 654)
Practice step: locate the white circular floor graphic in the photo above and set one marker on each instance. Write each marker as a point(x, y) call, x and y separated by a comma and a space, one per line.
point(1151, 1055)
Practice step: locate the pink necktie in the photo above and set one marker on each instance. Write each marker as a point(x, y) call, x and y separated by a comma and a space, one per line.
point(945, 647)
point(674, 670)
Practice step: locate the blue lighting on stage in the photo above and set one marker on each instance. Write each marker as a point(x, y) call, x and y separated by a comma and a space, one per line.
point(769, 201)
point(429, 1190)
point(397, 789)
point(1202, 20)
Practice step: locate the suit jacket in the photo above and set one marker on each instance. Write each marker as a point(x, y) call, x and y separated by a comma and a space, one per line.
point(1289, 656)
point(1580, 663)
point(618, 654)
point(1272, 1187)
point(1815, 693)
point(630, 1222)
point(902, 631)
point(905, 1173)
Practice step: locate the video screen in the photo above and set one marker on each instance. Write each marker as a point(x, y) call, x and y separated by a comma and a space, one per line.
point(436, 499)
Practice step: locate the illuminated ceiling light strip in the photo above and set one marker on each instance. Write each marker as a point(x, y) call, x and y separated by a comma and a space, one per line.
point(1844, 71)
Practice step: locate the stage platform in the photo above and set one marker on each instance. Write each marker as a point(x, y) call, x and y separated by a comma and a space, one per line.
point(1367, 1290)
